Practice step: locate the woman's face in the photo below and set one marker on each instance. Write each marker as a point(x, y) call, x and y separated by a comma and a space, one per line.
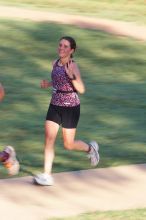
point(64, 49)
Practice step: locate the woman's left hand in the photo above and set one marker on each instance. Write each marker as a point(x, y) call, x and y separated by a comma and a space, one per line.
point(70, 69)
point(73, 73)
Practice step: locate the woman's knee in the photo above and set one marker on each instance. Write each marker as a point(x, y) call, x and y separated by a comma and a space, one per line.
point(50, 138)
point(68, 145)
point(51, 130)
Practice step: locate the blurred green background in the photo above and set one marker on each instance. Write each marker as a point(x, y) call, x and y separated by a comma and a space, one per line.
point(124, 10)
point(113, 107)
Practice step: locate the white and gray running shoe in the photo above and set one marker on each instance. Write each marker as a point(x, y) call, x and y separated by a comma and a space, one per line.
point(93, 154)
point(44, 179)
point(12, 164)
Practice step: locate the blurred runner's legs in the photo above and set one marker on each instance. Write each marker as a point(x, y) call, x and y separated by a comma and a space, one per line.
point(8, 155)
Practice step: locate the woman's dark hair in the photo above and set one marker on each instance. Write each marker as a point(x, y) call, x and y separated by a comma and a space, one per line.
point(71, 41)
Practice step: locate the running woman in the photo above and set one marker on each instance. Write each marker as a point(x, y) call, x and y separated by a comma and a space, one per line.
point(64, 109)
point(8, 155)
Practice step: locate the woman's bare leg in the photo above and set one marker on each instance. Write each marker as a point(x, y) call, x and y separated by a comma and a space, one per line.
point(70, 143)
point(51, 130)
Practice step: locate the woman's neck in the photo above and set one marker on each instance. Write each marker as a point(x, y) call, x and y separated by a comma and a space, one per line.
point(63, 61)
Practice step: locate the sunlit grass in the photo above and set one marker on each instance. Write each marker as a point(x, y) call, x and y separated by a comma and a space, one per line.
point(138, 214)
point(133, 11)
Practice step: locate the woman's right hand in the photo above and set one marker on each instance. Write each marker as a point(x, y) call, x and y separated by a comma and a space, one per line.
point(45, 84)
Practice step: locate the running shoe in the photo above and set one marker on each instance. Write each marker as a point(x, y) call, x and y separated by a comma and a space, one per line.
point(11, 163)
point(44, 179)
point(93, 154)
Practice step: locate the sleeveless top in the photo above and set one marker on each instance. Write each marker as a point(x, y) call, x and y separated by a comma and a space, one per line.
point(64, 94)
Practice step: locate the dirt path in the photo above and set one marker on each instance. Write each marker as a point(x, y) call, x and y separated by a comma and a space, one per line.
point(114, 27)
point(102, 189)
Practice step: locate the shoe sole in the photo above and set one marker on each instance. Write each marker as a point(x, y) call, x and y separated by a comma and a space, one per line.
point(37, 182)
point(95, 145)
point(96, 149)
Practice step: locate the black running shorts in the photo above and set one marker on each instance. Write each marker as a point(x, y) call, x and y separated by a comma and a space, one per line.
point(68, 117)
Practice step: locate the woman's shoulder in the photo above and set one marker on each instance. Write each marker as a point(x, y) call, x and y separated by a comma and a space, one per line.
point(54, 62)
point(75, 65)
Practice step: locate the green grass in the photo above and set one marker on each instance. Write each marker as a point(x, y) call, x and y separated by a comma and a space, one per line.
point(134, 11)
point(113, 108)
point(138, 214)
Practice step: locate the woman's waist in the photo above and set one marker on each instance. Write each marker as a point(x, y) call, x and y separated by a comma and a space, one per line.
point(64, 91)
point(65, 99)
point(65, 95)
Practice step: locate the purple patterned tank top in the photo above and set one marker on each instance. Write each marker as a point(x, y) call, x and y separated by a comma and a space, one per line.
point(64, 93)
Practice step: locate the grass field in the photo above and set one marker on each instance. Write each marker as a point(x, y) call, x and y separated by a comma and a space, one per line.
point(124, 10)
point(139, 214)
point(113, 108)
